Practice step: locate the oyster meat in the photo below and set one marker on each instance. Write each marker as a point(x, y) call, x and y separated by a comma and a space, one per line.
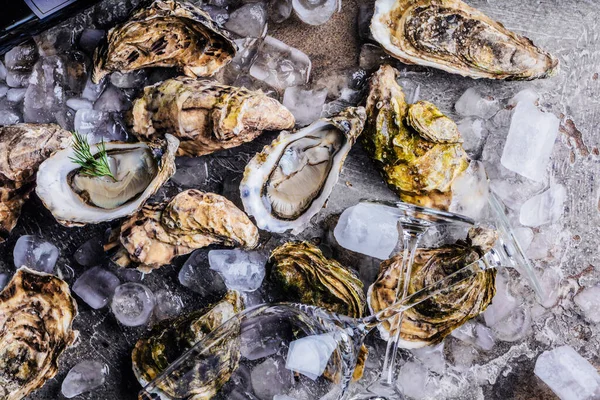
point(290, 180)
point(415, 147)
point(430, 322)
point(167, 33)
point(454, 37)
point(191, 220)
point(170, 339)
point(205, 115)
point(76, 199)
point(36, 316)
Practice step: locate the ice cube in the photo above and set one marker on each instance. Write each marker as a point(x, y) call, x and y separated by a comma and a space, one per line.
point(431, 357)
point(197, 276)
point(89, 39)
point(372, 56)
point(416, 382)
point(128, 80)
point(112, 100)
point(168, 305)
point(132, 304)
point(218, 14)
point(283, 397)
point(250, 20)
point(3, 90)
point(524, 236)
point(475, 334)
point(369, 229)
point(45, 96)
point(304, 104)
point(527, 96)
point(530, 141)
point(79, 104)
point(310, 355)
point(470, 191)
point(96, 286)
point(98, 125)
point(21, 58)
point(247, 50)
point(91, 253)
point(92, 91)
point(544, 208)
point(473, 104)
point(17, 79)
point(280, 10)
point(588, 301)
point(190, 172)
point(315, 12)
point(472, 133)
point(568, 374)
point(83, 377)
point(241, 270)
point(515, 192)
point(271, 378)
point(509, 320)
point(3, 280)
point(15, 95)
point(8, 116)
point(264, 336)
point(550, 282)
point(3, 71)
point(35, 253)
point(280, 65)
point(503, 303)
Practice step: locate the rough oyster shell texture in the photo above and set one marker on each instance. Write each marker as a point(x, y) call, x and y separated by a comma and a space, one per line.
point(289, 181)
point(205, 115)
point(430, 322)
point(23, 147)
point(36, 316)
point(55, 182)
point(419, 169)
point(191, 220)
point(168, 33)
point(170, 339)
point(457, 38)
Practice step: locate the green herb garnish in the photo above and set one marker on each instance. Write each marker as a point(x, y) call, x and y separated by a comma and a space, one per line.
point(90, 165)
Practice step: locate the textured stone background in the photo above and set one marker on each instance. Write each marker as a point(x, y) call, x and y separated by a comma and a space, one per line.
point(570, 30)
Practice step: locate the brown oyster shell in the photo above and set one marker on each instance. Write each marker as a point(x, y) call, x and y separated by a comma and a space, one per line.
point(205, 115)
point(191, 220)
point(170, 339)
point(168, 33)
point(429, 322)
point(36, 316)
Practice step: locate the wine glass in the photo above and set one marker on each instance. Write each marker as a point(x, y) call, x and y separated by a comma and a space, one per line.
point(306, 352)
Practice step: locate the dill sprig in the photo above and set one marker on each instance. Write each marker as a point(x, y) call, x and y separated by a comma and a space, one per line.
point(91, 165)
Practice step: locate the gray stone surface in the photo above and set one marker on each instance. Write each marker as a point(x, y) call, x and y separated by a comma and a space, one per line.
point(569, 247)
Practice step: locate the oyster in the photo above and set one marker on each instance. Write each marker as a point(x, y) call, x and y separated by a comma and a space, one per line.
point(76, 199)
point(205, 115)
point(170, 339)
point(36, 316)
point(12, 197)
point(287, 183)
point(415, 147)
point(450, 35)
point(191, 220)
point(168, 33)
point(429, 322)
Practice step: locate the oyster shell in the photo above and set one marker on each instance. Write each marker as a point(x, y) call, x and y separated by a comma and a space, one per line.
point(76, 199)
point(168, 33)
point(457, 38)
point(170, 339)
point(429, 322)
point(191, 220)
point(36, 316)
point(411, 145)
point(289, 181)
point(205, 115)
point(12, 197)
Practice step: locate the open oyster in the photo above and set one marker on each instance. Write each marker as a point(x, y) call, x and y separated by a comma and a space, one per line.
point(289, 181)
point(167, 33)
point(205, 115)
point(416, 148)
point(429, 322)
point(450, 35)
point(191, 220)
point(36, 316)
point(76, 199)
point(170, 339)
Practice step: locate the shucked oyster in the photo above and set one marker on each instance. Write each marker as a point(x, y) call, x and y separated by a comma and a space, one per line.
point(168, 33)
point(416, 148)
point(22, 149)
point(429, 322)
point(76, 199)
point(191, 220)
point(36, 316)
point(205, 115)
point(170, 339)
point(450, 35)
point(289, 181)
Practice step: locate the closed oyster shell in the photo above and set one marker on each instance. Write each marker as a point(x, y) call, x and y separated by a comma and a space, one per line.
point(12, 197)
point(289, 181)
point(430, 322)
point(457, 38)
point(205, 115)
point(191, 220)
point(170, 339)
point(421, 171)
point(429, 122)
point(168, 33)
point(36, 316)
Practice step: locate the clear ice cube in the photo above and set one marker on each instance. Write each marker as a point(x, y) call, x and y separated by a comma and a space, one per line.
point(305, 104)
point(250, 20)
point(271, 378)
point(473, 104)
point(588, 301)
point(96, 286)
point(35, 253)
point(132, 304)
point(198, 277)
point(83, 377)
point(315, 12)
point(168, 305)
point(544, 208)
point(241, 270)
point(310, 355)
point(470, 192)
